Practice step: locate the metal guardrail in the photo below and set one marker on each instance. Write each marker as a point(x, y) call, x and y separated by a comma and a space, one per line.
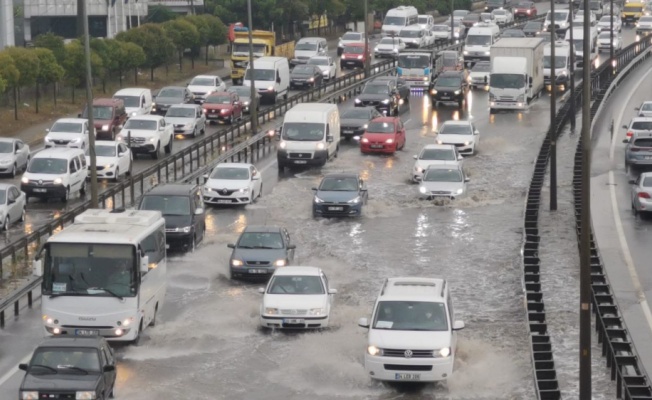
point(632, 380)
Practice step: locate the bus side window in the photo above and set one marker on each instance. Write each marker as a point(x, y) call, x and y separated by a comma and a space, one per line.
point(154, 247)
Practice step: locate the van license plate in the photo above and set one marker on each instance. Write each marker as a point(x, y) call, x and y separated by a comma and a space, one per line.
point(300, 162)
point(293, 321)
point(408, 377)
point(87, 332)
point(40, 190)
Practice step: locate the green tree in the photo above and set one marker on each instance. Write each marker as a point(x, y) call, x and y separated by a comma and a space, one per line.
point(290, 13)
point(49, 71)
point(216, 32)
point(75, 65)
point(28, 64)
point(8, 71)
point(159, 14)
point(154, 41)
point(184, 35)
point(53, 42)
point(130, 56)
point(202, 28)
point(102, 48)
point(3, 85)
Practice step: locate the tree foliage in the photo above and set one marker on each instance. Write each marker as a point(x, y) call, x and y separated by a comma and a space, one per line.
point(75, 63)
point(158, 14)
point(49, 69)
point(8, 71)
point(154, 41)
point(27, 63)
point(184, 35)
point(54, 43)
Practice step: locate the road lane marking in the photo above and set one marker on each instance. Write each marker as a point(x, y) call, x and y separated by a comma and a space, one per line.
point(627, 255)
point(14, 370)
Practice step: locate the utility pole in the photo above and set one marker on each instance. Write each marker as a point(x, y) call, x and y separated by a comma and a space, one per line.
point(89, 107)
point(611, 36)
point(367, 64)
point(452, 24)
point(81, 6)
point(572, 70)
point(252, 107)
point(553, 111)
point(585, 223)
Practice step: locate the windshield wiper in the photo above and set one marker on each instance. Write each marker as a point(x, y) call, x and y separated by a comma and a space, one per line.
point(267, 247)
point(54, 370)
point(75, 368)
point(246, 247)
point(112, 293)
point(66, 294)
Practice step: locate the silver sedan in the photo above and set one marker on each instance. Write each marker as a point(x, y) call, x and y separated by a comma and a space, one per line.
point(14, 156)
point(641, 193)
point(12, 205)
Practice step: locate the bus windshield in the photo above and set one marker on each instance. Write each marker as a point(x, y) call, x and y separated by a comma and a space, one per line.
point(413, 61)
point(90, 269)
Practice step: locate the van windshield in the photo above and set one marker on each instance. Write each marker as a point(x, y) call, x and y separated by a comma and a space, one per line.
point(130, 101)
point(99, 112)
point(413, 61)
point(406, 33)
point(560, 62)
point(261, 74)
point(306, 46)
point(559, 16)
point(394, 21)
point(478, 40)
point(303, 131)
point(48, 166)
point(411, 316)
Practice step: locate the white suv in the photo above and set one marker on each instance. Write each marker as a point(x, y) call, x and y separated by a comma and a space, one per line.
point(68, 132)
point(412, 334)
point(148, 134)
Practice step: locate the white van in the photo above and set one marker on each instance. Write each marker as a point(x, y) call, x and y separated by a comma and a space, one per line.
point(310, 135)
point(271, 77)
point(57, 172)
point(399, 18)
point(478, 43)
point(413, 330)
point(138, 101)
point(578, 42)
point(414, 36)
point(562, 63)
point(562, 20)
point(426, 21)
point(309, 47)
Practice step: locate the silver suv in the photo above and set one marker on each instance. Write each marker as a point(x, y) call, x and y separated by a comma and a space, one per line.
point(639, 149)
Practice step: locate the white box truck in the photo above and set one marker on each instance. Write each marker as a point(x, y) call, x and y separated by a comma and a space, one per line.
point(516, 73)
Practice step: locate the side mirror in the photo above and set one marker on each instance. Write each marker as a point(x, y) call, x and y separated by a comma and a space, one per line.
point(315, 189)
point(476, 132)
point(624, 126)
point(23, 367)
point(162, 128)
point(144, 264)
point(460, 157)
point(637, 108)
point(205, 176)
point(632, 181)
point(458, 325)
point(415, 156)
point(37, 268)
point(121, 154)
point(231, 245)
point(255, 177)
point(625, 140)
point(363, 323)
point(199, 211)
point(467, 179)
point(530, 81)
point(261, 290)
point(108, 368)
point(11, 201)
point(292, 247)
point(332, 291)
point(329, 138)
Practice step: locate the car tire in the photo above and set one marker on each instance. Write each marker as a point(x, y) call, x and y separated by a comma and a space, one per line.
point(168, 148)
point(14, 171)
point(634, 210)
point(260, 194)
point(5, 226)
point(194, 132)
point(23, 215)
point(136, 341)
point(117, 175)
point(66, 195)
point(26, 163)
point(82, 189)
point(153, 321)
point(193, 244)
point(231, 119)
point(155, 153)
point(113, 134)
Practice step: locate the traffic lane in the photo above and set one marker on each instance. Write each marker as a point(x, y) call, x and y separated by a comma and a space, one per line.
point(357, 255)
point(625, 256)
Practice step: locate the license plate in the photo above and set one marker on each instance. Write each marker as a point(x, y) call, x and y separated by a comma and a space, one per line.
point(376, 146)
point(407, 377)
point(224, 201)
point(300, 162)
point(445, 97)
point(212, 115)
point(347, 131)
point(257, 271)
point(335, 208)
point(40, 190)
point(293, 321)
point(87, 332)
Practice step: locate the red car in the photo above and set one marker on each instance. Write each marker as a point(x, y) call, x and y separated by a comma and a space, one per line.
point(383, 135)
point(525, 9)
point(222, 106)
point(354, 55)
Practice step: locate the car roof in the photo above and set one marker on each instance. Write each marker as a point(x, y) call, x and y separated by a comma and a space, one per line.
point(5, 186)
point(172, 189)
point(130, 91)
point(354, 45)
point(439, 146)
point(646, 174)
point(451, 73)
point(341, 175)
point(222, 93)
point(8, 139)
point(73, 341)
point(444, 166)
point(107, 143)
point(206, 76)
point(311, 40)
point(107, 102)
point(58, 152)
point(641, 119)
point(148, 117)
point(262, 228)
point(172, 87)
point(185, 106)
point(406, 288)
point(72, 120)
point(233, 164)
point(290, 271)
point(452, 122)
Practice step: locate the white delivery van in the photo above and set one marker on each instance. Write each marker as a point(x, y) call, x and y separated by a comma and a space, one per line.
point(516, 73)
point(55, 173)
point(310, 135)
point(578, 42)
point(478, 43)
point(271, 77)
point(138, 101)
point(562, 20)
point(309, 47)
point(399, 18)
point(562, 63)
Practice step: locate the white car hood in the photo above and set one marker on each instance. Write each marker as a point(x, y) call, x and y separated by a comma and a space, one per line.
point(298, 145)
point(477, 74)
point(201, 89)
point(441, 34)
point(64, 135)
point(44, 177)
point(102, 160)
point(227, 184)
point(411, 40)
point(413, 340)
point(324, 68)
point(295, 301)
point(7, 157)
point(455, 138)
point(386, 46)
point(138, 133)
point(343, 43)
point(179, 120)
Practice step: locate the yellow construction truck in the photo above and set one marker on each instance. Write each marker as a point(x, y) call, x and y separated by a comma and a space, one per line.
point(264, 44)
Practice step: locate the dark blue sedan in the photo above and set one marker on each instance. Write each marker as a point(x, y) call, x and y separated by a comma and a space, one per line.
point(339, 195)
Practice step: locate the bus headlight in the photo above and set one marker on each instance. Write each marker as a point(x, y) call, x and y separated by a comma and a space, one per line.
point(85, 395)
point(29, 395)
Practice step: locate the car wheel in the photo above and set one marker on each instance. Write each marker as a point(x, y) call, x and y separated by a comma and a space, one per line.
point(14, 170)
point(193, 244)
point(168, 148)
point(203, 130)
point(5, 227)
point(194, 132)
point(231, 119)
point(634, 210)
point(82, 189)
point(26, 163)
point(260, 194)
point(136, 341)
point(155, 153)
point(252, 199)
point(112, 392)
point(117, 175)
point(23, 215)
point(66, 195)
point(113, 134)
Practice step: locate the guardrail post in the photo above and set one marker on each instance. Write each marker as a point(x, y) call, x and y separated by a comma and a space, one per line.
point(30, 300)
point(158, 174)
point(122, 199)
point(2, 318)
point(183, 165)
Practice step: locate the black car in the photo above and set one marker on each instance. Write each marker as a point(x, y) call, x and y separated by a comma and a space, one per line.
point(306, 76)
point(339, 195)
point(183, 209)
point(450, 86)
point(69, 367)
point(354, 121)
point(170, 96)
point(513, 33)
point(380, 95)
point(398, 84)
point(259, 251)
point(533, 28)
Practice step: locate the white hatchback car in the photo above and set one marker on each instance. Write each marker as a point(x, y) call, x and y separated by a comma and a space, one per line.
point(348, 38)
point(296, 298)
point(14, 156)
point(326, 64)
point(68, 132)
point(463, 134)
point(434, 154)
point(112, 159)
point(232, 183)
point(412, 330)
point(645, 109)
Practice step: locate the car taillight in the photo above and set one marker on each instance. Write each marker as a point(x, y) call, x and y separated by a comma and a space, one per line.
point(643, 195)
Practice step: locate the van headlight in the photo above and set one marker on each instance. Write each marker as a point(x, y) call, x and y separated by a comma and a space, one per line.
point(279, 263)
point(185, 229)
point(320, 146)
point(386, 101)
point(374, 351)
point(271, 311)
point(445, 352)
point(459, 191)
point(236, 263)
point(318, 200)
point(24, 179)
point(58, 181)
point(357, 101)
point(354, 201)
point(283, 145)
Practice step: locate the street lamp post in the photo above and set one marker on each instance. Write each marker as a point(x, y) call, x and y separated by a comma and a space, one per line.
point(367, 64)
point(253, 112)
point(572, 70)
point(553, 111)
point(89, 105)
point(611, 35)
point(452, 23)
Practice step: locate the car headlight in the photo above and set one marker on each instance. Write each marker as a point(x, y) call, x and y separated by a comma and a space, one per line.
point(29, 395)
point(459, 191)
point(224, 111)
point(395, 50)
point(270, 89)
point(58, 181)
point(357, 101)
point(85, 395)
point(244, 190)
point(48, 140)
point(458, 91)
point(439, 142)
point(76, 140)
point(24, 179)
point(359, 57)
point(390, 141)
point(185, 229)
point(433, 91)
point(320, 146)
point(317, 311)
point(246, 103)
point(422, 189)
point(108, 166)
point(354, 201)
point(386, 101)
point(283, 145)
point(486, 53)
point(418, 169)
point(188, 125)
point(105, 127)
point(466, 53)
point(311, 80)
point(236, 263)
point(445, 352)
point(318, 200)
point(467, 143)
point(133, 114)
point(279, 263)
point(365, 126)
point(374, 351)
point(376, 48)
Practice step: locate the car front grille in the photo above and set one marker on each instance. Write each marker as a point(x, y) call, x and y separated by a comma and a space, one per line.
point(398, 367)
point(40, 182)
point(50, 395)
point(300, 155)
point(224, 192)
point(370, 102)
point(86, 327)
point(61, 142)
point(506, 98)
point(441, 193)
point(413, 354)
point(135, 140)
point(293, 312)
point(257, 263)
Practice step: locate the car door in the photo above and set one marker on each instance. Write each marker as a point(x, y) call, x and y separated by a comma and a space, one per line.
point(237, 105)
point(256, 179)
point(11, 206)
point(76, 177)
point(124, 158)
point(201, 119)
point(22, 154)
point(19, 202)
point(106, 355)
